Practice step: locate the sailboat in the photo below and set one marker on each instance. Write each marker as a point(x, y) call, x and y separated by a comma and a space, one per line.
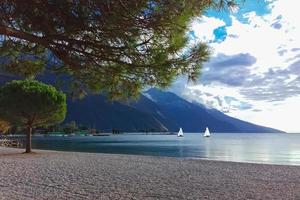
point(180, 133)
point(206, 133)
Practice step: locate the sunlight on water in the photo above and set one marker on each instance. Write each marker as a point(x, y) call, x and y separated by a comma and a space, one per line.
point(258, 148)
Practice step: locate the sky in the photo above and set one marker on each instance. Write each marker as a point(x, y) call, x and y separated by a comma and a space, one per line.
point(254, 70)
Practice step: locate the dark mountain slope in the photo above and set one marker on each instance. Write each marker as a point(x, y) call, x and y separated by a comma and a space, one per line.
point(154, 111)
point(96, 112)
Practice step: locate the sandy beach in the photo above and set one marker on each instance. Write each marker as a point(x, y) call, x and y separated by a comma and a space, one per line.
point(68, 175)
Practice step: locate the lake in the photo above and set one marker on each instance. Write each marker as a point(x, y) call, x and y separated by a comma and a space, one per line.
point(258, 148)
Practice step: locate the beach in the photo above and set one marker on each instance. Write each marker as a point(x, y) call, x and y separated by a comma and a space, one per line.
point(73, 175)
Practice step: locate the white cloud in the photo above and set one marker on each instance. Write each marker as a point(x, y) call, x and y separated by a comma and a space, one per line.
point(273, 39)
point(258, 39)
point(213, 96)
point(282, 116)
point(204, 27)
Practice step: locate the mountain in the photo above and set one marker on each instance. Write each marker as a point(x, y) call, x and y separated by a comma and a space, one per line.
point(97, 112)
point(155, 110)
point(243, 126)
point(176, 112)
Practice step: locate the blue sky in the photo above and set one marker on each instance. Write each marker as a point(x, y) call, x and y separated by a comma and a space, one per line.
point(254, 70)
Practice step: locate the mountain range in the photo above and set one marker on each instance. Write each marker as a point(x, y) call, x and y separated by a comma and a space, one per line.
point(155, 111)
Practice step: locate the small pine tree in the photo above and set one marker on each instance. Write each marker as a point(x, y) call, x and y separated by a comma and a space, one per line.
point(29, 104)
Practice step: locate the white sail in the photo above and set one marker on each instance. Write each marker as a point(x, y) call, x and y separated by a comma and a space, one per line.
point(180, 133)
point(206, 133)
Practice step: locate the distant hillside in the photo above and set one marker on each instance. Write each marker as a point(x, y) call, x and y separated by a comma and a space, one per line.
point(155, 111)
point(176, 112)
point(192, 117)
point(97, 112)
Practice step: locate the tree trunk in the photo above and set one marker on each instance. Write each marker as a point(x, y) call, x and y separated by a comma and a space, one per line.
point(28, 139)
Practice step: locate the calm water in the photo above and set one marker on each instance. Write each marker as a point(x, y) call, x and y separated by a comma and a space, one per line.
point(259, 148)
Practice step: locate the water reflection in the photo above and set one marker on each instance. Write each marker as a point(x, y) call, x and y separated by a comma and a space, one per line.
point(262, 148)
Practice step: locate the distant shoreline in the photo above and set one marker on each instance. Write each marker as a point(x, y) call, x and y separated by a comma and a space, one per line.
point(87, 135)
point(134, 133)
point(70, 175)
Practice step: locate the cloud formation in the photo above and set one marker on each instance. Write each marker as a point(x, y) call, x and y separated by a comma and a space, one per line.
point(255, 68)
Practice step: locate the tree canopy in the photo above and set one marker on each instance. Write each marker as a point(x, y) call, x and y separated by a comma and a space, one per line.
point(29, 103)
point(114, 46)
